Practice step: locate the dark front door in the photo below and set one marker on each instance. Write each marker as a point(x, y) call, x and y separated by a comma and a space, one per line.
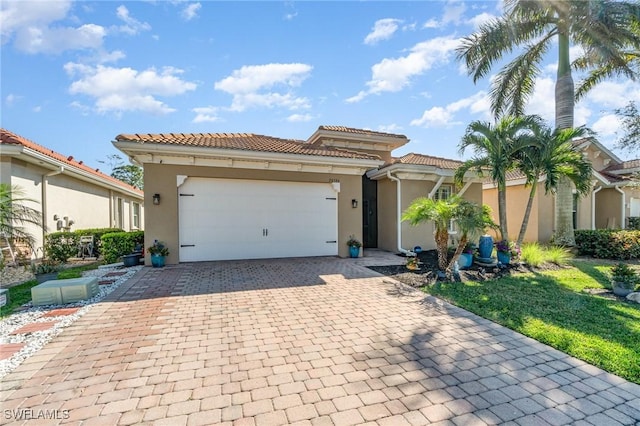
point(369, 212)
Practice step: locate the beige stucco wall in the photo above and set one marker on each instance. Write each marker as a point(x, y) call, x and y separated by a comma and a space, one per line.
point(87, 204)
point(517, 199)
point(412, 236)
point(387, 213)
point(546, 218)
point(162, 222)
point(608, 208)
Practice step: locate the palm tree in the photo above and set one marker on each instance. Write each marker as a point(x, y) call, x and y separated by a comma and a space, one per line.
point(553, 158)
point(606, 30)
point(495, 154)
point(14, 214)
point(441, 212)
point(471, 220)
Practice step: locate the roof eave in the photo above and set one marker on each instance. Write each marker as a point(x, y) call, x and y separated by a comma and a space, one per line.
point(147, 153)
point(381, 173)
point(392, 142)
point(45, 161)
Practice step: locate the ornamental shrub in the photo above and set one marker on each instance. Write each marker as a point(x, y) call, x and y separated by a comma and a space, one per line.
point(117, 244)
point(609, 243)
point(61, 246)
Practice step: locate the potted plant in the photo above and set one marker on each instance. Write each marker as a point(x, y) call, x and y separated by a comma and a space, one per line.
point(158, 251)
point(466, 257)
point(354, 246)
point(412, 263)
point(507, 250)
point(46, 270)
point(623, 279)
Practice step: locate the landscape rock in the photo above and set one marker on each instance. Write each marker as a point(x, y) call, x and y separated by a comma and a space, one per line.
point(634, 297)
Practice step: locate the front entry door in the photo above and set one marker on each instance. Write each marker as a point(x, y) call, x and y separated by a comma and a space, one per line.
point(369, 212)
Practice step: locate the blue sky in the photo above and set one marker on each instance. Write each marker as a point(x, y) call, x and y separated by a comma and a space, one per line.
point(77, 73)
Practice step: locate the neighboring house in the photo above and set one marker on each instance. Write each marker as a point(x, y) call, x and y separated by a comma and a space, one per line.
point(614, 196)
point(70, 194)
point(236, 196)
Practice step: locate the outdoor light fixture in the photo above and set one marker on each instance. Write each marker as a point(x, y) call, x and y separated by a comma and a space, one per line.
point(156, 199)
point(354, 203)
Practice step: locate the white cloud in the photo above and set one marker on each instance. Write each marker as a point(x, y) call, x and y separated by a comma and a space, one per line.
point(254, 86)
point(453, 12)
point(431, 23)
point(290, 16)
point(105, 57)
point(480, 19)
point(57, 40)
point(10, 99)
point(614, 94)
point(477, 104)
point(383, 29)
point(206, 114)
point(131, 25)
point(434, 117)
point(16, 16)
point(299, 118)
point(607, 125)
point(191, 11)
point(37, 108)
point(389, 128)
point(126, 89)
point(393, 75)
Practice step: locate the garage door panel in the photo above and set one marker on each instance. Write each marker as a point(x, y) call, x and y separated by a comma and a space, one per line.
point(236, 219)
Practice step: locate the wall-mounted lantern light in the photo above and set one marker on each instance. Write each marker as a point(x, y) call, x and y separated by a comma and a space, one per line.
point(354, 203)
point(156, 199)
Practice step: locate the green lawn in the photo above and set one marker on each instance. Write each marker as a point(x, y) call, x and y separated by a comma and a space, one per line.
point(552, 308)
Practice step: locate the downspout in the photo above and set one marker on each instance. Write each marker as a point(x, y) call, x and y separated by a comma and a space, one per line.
point(399, 214)
point(623, 216)
point(111, 208)
point(593, 207)
point(43, 195)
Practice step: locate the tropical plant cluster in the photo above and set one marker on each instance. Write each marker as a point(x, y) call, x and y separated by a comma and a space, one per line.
point(508, 247)
point(624, 276)
point(609, 243)
point(60, 246)
point(118, 244)
point(158, 248)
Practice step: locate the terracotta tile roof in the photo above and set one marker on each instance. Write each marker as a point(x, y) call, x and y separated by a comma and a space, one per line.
point(10, 138)
point(243, 142)
point(625, 165)
point(360, 131)
point(427, 160)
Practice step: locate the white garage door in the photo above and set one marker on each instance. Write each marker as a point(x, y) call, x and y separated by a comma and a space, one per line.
point(223, 219)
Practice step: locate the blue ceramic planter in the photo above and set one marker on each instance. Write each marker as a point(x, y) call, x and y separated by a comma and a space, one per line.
point(504, 258)
point(485, 246)
point(157, 261)
point(465, 260)
point(354, 251)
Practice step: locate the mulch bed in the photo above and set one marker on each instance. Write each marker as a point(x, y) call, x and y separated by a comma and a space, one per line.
point(428, 272)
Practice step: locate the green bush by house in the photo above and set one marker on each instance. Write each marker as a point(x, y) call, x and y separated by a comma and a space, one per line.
point(117, 244)
point(609, 243)
point(61, 246)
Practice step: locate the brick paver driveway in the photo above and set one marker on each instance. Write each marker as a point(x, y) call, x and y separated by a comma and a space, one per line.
point(309, 341)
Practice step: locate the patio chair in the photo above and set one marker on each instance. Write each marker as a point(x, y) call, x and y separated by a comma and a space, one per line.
point(85, 246)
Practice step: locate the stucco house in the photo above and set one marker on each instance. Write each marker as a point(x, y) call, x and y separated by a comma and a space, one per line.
point(614, 196)
point(220, 196)
point(70, 194)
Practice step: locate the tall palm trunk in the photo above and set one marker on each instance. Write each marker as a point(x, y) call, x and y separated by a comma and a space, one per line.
point(502, 211)
point(564, 120)
point(527, 212)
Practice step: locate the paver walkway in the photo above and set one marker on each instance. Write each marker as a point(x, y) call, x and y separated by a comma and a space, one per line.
point(307, 341)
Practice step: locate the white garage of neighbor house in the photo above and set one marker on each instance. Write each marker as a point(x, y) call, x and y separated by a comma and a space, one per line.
point(219, 196)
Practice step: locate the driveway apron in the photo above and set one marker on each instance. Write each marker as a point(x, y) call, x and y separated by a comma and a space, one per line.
point(307, 341)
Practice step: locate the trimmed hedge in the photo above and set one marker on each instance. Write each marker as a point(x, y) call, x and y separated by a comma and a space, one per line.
point(609, 243)
point(61, 246)
point(117, 244)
